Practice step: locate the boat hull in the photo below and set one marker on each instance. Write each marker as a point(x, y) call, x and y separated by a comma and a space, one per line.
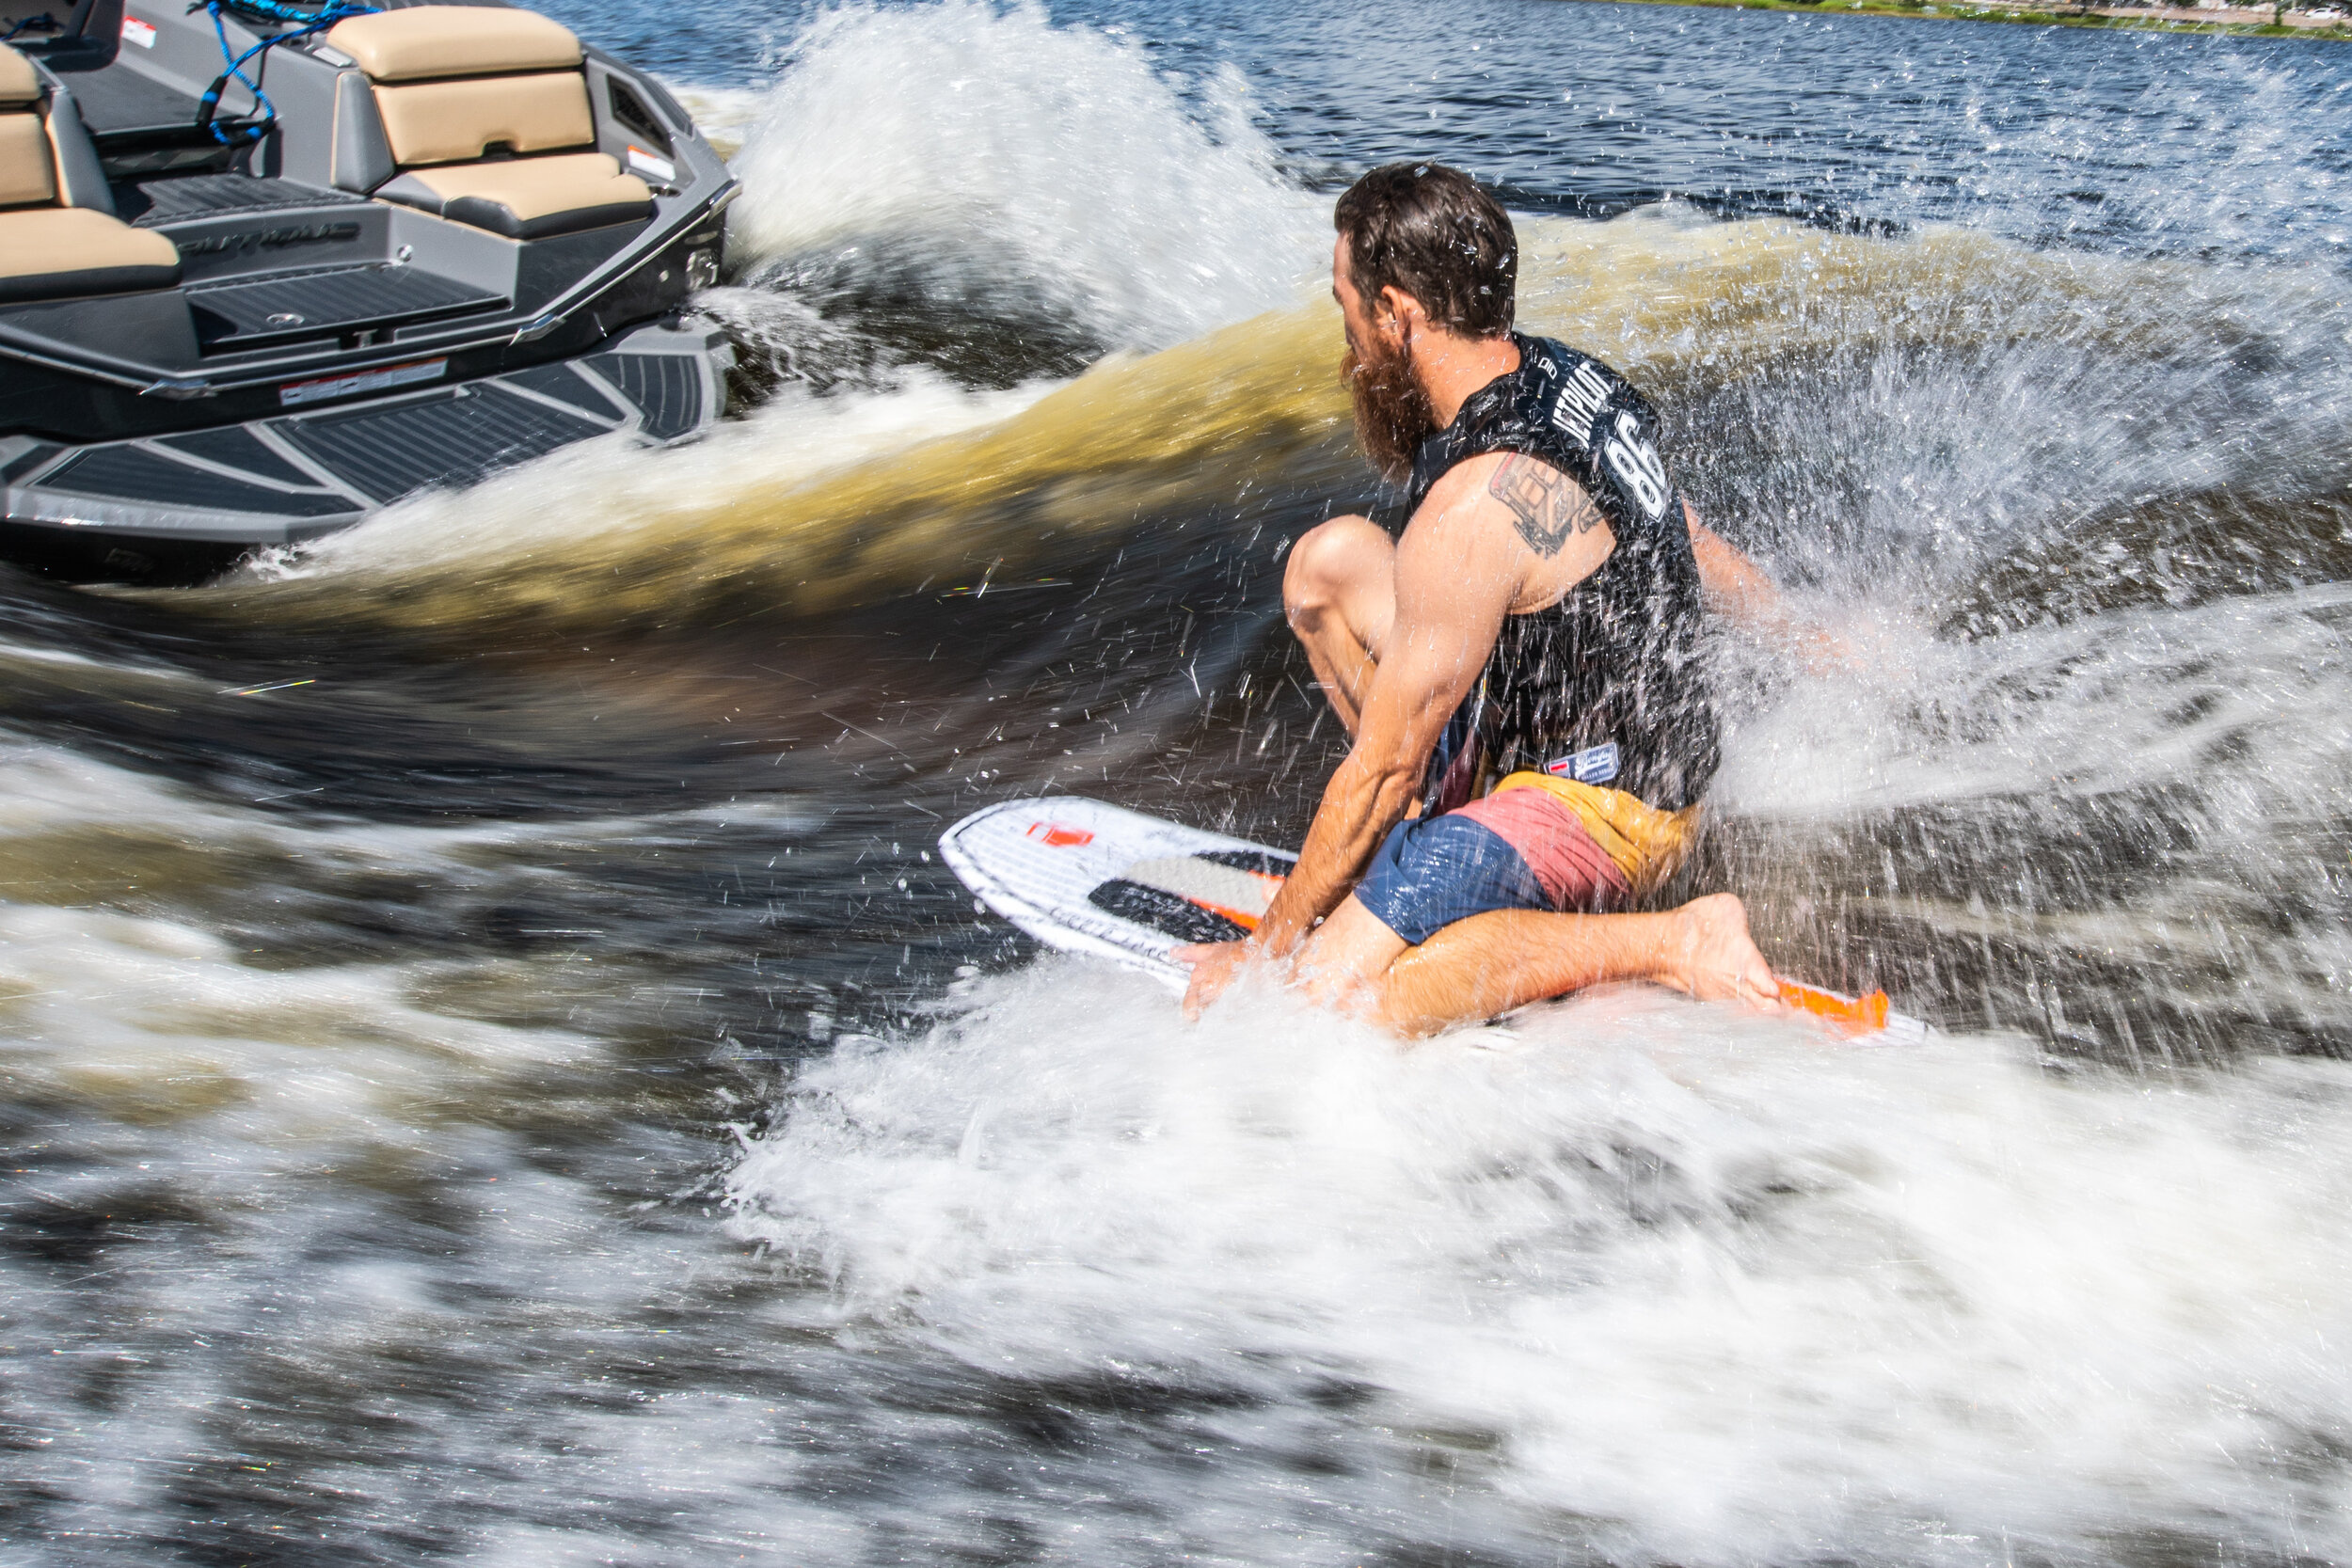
point(334, 331)
point(180, 506)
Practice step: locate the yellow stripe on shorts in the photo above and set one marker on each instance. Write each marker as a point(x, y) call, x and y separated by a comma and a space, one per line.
point(1648, 844)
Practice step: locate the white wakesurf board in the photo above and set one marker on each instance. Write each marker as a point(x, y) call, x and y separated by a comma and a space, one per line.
point(1089, 878)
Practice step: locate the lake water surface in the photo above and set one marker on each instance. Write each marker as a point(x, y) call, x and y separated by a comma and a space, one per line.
point(530, 1094)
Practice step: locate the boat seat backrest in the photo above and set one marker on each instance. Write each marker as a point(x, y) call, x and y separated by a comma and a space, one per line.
point(46, 155)
point(477, 113)
point(28, 175)
point(454, 84)
point(457, 123)
point(28, 169)
point(423, 43)
point(20, 84)
point(55, 241)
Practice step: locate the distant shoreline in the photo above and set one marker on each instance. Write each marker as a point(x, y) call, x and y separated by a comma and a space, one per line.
point(2239, 21)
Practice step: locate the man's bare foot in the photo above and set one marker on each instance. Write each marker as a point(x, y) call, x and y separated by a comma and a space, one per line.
point(1714, 959)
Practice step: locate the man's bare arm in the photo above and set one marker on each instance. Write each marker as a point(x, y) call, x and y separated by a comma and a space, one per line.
point(1461, 564)
point(1456, 574)
point(1370, 792)
point(1736, 587)
point(1454, 583)
point(1548, 508)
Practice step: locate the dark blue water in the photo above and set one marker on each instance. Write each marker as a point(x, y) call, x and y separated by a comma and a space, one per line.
point(2143, 142)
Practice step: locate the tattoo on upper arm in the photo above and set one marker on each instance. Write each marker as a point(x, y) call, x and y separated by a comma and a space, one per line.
point(1548, 507)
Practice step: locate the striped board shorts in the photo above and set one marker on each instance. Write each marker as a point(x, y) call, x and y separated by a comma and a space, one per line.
point(1535, 843)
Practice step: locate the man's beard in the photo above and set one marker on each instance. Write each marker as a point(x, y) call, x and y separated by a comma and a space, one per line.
point(1392, 413)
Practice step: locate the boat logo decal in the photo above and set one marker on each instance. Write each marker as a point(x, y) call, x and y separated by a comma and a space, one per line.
point(1055, 836)
point(295, 393)
point(296, 234)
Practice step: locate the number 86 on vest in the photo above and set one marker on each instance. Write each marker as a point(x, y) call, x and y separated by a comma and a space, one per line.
point(1635, 462)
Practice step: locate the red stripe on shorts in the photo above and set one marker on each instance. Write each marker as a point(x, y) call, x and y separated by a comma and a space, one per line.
point(1576, 873)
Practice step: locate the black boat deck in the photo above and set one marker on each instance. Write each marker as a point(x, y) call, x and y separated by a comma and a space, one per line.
point(321, 352)
point(118, 102)
point(316, 470)
point(152, 202)
point(287, 307)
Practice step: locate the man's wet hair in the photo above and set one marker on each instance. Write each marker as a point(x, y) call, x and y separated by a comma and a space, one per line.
point(1434, 232)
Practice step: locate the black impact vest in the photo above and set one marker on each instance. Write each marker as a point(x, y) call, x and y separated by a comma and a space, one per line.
point(1608, 685)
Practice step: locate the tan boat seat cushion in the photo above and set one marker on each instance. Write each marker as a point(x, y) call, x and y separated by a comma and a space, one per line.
point(527, 198)
point(455, 40)
point(60, 252)
point(20, 89)
point(28, 169)
point(467, 94)
point(52, 252)
point(448, 123)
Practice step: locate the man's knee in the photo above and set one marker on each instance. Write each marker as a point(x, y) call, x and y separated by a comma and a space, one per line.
point(1330, 560)
point(1348, 956)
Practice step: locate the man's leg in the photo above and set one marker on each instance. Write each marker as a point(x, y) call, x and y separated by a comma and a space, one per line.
point(1345, 963)
point(1339, 589)
point(1491, 963)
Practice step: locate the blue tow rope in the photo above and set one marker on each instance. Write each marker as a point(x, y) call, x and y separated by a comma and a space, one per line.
point(307, 22)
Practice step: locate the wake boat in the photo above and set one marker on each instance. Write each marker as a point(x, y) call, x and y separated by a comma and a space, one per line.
point(266, 268)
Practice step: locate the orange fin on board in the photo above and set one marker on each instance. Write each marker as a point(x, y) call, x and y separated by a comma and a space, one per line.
point(1848, 1015)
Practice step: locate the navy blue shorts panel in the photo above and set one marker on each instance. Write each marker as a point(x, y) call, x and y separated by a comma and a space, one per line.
point(1433, 871)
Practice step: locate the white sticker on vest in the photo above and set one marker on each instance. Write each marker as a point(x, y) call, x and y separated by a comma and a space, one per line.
point(1579, 401)
point(1594, 764)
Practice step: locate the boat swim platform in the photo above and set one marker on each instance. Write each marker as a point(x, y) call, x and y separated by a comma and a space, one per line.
point(310, 472)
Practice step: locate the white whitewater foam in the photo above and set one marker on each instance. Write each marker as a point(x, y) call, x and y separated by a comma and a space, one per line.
point(723, 115)
point(1681, 1286)
point(2112, 702)
point(990, 152)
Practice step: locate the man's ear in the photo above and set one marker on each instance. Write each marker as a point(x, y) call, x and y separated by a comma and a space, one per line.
point(1402, 309)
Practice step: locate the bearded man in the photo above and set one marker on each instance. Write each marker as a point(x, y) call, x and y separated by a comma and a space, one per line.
point(1522, 671)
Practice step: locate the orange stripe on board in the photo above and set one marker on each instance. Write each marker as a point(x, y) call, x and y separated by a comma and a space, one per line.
point(1848, 1015)
point(1245, 921)
point(1242, 918)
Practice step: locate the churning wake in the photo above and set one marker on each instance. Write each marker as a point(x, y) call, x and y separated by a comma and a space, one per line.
point(1626, 1282)
point(986, 164)
point(496, 1071)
